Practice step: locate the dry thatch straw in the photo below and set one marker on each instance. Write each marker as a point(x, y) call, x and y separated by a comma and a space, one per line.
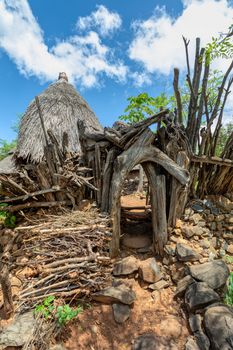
point(62, 108)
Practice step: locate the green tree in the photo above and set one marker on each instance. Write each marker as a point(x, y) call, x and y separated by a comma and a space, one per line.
point(224, 134)
point(6, 147)
point(143, 105)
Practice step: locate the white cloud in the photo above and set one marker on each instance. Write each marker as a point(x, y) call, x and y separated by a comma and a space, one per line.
point(141, 78)
point(84, 58)
point(102, 19)
point(158, 43)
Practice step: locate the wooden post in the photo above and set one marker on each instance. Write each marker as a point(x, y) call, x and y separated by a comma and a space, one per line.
point(179, 193)
point(158, 206)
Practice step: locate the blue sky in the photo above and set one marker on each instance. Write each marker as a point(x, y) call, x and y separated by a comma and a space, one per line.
point(110, 49)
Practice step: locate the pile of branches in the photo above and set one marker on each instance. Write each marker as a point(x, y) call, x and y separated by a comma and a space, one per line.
point(65, 256)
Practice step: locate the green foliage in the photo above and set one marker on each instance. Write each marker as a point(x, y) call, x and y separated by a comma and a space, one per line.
point(220, 47)
point(65, 314)
point(229, 294)
point(46, 308)
point(224, 134)
point(8, 219)
point(6, 147)
point(61, 314)
point(228, 259)
point(143, 105)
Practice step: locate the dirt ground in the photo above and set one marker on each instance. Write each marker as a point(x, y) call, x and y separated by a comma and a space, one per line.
point(96, 328)
point(156, 313)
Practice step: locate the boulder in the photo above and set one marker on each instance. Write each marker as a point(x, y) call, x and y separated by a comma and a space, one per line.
point(214, 273)
point(19, 331)
point(199, 295)
point(121, 312)
point(218, 323)
point(125, 266)
point(185, 253)
point(149, 270)
point(182, 285)
point(121, 294)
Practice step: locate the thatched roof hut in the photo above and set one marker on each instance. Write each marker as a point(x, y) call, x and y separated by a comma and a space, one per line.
point(62, 109)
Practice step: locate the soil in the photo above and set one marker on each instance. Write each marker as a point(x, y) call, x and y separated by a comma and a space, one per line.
point(96, 328)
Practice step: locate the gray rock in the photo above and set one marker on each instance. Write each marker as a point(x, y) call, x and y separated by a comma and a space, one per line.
point(185, 253)
point(214, 273)
point(199, 295)
point(195, 322)
point(190, 231)
point(125, 266)
point(191, 344)
point(218, 322)
point(202, 340)
point(159, 285)
point(182, 285)
point(122, 294)
point(57, 347)
point(121, 312)
point(149, 270)
point(19, 331)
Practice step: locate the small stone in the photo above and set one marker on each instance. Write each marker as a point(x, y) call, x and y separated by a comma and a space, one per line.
point(210, 218)
point(122, 294)
point(170, 249)
point(195, 218)
point(204, 244)
point(149, 270)
point(185, 253)
point(213, 226)
point(230, 249)
point(191, 344)
point(214, 273)
point(199, 295)
point(182, 285)
point(195, 323)
point(125, 266)
point(219, 218)
point(197, 208)
point(121, 312)
point(190, 231)
point(159, 285)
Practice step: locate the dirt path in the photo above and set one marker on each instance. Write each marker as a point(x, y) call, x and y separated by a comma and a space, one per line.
point(96, 328)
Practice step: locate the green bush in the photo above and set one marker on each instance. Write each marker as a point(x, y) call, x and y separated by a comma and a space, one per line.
point(229, 294)
point(8, 219)
point(62, 314)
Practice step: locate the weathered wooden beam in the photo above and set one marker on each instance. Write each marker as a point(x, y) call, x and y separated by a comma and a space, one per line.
point(212, 160)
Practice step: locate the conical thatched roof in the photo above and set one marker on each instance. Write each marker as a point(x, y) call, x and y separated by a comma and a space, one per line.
point(62, 108)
